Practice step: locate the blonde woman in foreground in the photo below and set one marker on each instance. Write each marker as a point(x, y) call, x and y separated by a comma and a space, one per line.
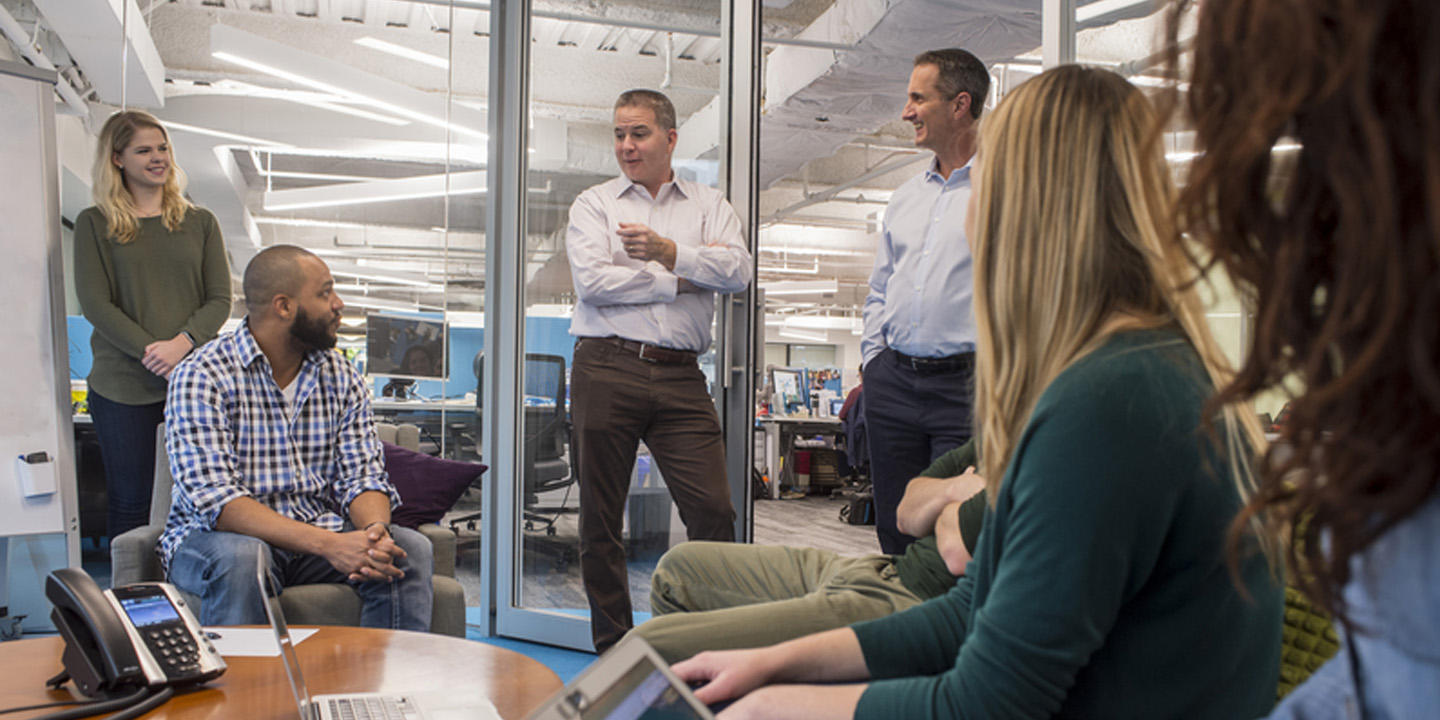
point(1099, 586)
point(153, 279)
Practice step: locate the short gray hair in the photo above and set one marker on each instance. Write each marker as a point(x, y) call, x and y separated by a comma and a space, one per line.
point(960, 71)
point(655, 100)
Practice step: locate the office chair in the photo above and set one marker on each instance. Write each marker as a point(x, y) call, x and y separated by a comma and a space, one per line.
point(546, 426)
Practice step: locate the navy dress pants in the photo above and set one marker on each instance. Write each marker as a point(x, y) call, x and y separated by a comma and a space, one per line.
point(912, 417)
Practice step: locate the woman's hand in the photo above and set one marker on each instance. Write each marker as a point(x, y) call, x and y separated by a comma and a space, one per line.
point(162, 356)
point(727, 674)
point(796, 702)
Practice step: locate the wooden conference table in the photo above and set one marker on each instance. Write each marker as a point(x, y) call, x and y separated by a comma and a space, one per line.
point(448, 677)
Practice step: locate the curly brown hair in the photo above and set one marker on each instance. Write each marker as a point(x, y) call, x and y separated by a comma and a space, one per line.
point(1339, 252)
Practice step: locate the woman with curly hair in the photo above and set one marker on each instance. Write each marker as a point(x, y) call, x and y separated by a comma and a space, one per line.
point(1338, 246)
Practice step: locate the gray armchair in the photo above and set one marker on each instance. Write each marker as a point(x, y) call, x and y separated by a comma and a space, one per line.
point(133, 559)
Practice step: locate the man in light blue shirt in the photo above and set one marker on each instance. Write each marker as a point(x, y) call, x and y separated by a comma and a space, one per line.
point(919, 341)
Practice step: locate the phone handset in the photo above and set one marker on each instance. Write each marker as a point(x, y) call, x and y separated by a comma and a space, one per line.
point(132, 636)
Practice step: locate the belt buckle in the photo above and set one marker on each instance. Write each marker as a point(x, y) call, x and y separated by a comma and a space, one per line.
point(643, 348)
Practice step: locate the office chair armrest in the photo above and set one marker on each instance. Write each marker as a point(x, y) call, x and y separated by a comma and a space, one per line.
point(442, 541)
point(133, 558)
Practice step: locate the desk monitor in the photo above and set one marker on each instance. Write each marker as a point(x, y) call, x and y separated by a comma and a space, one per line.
point(790, 390)
point(406, 346)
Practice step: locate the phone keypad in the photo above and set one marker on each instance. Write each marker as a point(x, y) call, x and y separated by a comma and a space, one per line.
point(174, 648)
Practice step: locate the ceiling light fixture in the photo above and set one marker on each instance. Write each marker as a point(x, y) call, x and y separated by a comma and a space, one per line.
point(800, 287)
point(222, 134)
point(374, 191)
point(302, 97)
point(241, 48)
point(792, 333)
point(382, 278)
point(379, 304)
point(403, 52)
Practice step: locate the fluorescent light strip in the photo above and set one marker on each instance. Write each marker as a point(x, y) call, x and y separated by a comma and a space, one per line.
point(802, 335)
point(1100, 7)
point(294, 175)
point(376, 277)
point(800, 287)
point(301, 97)
point(221, 134)
point(335, 90)
point(379, 304)
point(403, 52)
point(387, 197)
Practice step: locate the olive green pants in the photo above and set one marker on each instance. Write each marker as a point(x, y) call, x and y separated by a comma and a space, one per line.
point(720, 596)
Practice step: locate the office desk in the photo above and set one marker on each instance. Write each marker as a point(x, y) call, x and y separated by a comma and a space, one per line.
point(780, 434)
point(447, 676)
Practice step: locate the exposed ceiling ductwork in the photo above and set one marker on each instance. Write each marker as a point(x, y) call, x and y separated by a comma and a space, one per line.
point(818, 100)
point(89, 29)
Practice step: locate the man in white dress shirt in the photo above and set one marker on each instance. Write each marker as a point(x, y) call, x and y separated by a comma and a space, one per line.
point(648, 251)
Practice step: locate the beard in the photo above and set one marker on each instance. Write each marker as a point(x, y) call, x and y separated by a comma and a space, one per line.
point(312, 332)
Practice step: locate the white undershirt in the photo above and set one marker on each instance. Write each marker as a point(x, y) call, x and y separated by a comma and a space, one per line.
point(289, 392)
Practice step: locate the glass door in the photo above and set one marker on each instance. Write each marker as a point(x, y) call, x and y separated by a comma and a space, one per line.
point(566, 85)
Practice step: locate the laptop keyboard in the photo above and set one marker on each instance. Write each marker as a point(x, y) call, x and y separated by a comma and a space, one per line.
point(371, 708)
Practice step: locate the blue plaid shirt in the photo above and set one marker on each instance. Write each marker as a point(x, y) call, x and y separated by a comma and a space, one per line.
point(228, 436)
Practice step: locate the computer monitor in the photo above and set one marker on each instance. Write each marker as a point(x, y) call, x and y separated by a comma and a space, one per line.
point(790, 390)
point(406, 346)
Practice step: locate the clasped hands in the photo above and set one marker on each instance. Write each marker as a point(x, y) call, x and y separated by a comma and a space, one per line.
point(366, 555)
point(162, 356)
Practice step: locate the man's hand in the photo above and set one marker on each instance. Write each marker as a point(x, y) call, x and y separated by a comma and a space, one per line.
point(366, 555)
point(685, 286)
point(642, 243)
point(727, 674)
point(162, 356)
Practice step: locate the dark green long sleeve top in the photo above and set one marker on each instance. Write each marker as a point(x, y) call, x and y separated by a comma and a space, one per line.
point(1099, 587)
point(148, 289)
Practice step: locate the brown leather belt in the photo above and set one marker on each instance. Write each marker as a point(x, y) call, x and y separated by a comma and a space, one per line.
point(651, 353)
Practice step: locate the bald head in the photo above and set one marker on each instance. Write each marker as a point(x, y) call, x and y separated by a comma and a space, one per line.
point(277, 270)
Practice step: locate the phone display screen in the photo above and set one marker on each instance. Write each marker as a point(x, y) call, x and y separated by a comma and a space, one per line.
point(149, 610)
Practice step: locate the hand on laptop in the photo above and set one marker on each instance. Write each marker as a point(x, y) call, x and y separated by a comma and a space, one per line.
point(366, 555)
point(726, 674)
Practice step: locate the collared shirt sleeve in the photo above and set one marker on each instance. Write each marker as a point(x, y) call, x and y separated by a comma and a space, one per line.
point(359, 455)
point(872, 341)
point(722, 263)
point(598, 280)
point(201, 443)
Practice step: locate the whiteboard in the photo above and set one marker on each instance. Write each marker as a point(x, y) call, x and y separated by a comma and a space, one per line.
point(34, 375)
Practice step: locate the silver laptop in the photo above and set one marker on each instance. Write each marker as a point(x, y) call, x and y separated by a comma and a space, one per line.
point(629, 682)
point(350, 706)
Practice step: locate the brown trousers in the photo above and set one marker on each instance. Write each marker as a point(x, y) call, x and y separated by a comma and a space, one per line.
point(618, 399)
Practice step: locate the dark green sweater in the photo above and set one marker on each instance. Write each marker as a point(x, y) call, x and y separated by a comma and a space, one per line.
point(1099, 587)
point(921, 568)
point(148, 289)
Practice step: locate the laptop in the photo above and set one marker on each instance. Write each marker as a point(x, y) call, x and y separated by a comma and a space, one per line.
point(629, 682)
point(350, 706)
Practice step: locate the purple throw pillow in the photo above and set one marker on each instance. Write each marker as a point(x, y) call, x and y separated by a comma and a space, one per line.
point(428, 486)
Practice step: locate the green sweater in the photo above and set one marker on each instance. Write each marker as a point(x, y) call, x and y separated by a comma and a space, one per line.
point(1099, 588)
point(921, 568)
point(148, 289)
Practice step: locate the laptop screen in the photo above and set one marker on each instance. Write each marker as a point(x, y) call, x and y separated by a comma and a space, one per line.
point(282, 634)
point(643, 693)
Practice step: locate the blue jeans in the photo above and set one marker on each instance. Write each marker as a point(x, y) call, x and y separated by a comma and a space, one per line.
point(127, 450)
point(219, 567)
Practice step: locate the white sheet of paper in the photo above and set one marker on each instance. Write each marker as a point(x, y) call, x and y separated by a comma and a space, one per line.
point(252, 642)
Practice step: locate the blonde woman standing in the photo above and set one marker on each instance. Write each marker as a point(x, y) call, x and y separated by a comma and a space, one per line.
point(153, 279)
point(1098, 586)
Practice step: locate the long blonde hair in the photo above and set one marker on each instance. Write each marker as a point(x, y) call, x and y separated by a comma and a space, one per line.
point(108, 187)
point(1073, 242)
